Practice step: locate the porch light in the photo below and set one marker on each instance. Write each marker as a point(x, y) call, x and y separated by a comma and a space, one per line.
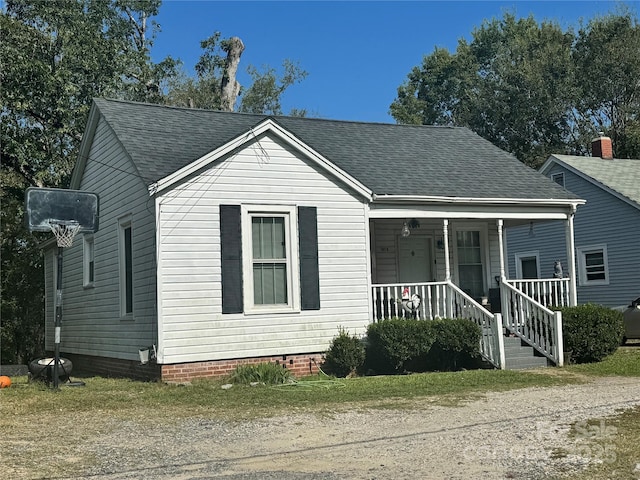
point(405, 232)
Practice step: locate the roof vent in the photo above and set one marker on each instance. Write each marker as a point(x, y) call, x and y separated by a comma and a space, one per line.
point(602, 147)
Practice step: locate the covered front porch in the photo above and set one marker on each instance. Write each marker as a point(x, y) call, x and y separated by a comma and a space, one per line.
point(431, 264)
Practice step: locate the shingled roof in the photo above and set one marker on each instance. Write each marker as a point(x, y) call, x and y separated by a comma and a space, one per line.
point(388, 159)
point(622, 175)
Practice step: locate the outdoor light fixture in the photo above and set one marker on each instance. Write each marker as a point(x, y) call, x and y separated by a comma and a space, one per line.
point(408, 226)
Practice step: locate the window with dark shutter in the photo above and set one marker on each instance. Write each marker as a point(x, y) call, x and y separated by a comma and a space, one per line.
point(231, 252)
point(308, 246)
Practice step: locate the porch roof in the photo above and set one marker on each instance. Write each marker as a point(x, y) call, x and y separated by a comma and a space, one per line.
point(388, 159)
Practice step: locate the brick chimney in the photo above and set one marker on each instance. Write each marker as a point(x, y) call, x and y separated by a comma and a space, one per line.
point(602, 147)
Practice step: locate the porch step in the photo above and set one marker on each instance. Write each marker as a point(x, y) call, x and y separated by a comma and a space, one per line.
point(520, 356)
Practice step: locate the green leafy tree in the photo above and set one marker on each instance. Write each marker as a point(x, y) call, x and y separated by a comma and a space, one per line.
point(607, 59)
point(55, 57)
point(532, 88)
point(265, 93)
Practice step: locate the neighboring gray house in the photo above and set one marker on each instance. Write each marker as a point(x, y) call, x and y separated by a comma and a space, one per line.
point(228, 238)
point(607, 228)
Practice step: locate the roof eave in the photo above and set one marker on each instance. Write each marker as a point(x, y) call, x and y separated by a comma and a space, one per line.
point(553, 160)
point(85, 147)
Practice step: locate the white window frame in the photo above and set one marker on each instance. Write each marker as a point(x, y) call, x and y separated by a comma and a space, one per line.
point(484, 251)
point(124, 223)
point(289, 213)
point(582, 253)
point(554, 176)
point(523, 256)
point(88, 259)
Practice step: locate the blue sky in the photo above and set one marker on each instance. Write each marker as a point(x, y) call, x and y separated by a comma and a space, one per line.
point(357, 53)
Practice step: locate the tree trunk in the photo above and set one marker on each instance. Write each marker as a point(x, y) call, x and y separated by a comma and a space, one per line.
point(230, 88)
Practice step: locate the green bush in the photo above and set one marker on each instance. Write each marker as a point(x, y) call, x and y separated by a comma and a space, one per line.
point(591, 332)
point(345, 355)
point(266, 373)
point(398, 344)
point(456, 344)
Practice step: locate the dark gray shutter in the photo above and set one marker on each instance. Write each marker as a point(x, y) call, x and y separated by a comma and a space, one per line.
point(231, 251)
point(308, 246)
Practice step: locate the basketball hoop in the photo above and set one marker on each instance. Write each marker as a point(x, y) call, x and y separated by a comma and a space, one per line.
point(64, 232)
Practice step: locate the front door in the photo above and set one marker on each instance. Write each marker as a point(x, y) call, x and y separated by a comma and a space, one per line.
point(415, 259)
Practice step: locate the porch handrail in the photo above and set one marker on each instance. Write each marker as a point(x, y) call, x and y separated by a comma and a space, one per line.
point(491, 340)
point(533, 322)
point(443, 300)
point(549, 292)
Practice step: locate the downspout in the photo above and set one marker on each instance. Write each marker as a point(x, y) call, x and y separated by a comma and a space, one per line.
point(571, 258)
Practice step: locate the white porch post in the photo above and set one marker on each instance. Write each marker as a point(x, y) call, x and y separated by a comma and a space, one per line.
point(571, 258)
point(501, 247)
point(445, 235)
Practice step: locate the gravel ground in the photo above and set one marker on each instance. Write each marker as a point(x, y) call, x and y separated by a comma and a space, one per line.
point(495, 436)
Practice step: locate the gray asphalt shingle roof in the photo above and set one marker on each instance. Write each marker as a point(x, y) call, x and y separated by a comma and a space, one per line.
point(388, 159)
point(620, 174)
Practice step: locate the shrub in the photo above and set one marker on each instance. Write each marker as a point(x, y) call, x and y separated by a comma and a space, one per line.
point(456, 344)
point(591, 332)
point(397, 344)
point(345, 355)
point(267, 373)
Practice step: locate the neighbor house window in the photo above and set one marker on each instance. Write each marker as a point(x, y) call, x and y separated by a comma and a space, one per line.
point(528, 265)
point(593, 266)
point(558, 178)
point(125, 251)
point(470, 267)
point(270, 259)
point(88, 270)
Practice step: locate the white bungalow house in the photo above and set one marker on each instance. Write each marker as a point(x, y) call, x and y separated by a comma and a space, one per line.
point(227, 238)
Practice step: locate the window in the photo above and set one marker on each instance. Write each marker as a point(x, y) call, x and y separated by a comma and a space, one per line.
point(269, 259)
point(593, 266)
point(270, 263)
point(527, 265)
point(558, 178)
point(88, 270)
point(470, 267)
point(125, 251)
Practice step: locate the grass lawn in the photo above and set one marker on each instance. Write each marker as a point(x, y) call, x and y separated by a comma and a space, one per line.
point(24, 405)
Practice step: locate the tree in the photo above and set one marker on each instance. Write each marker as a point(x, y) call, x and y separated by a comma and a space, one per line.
point(527, 86)
point(54, 58)
point(215, 74)
point(607, 59)
point(265, 93)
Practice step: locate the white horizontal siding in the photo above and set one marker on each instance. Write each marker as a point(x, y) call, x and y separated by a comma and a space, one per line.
point(91, 321)
point(192, 324)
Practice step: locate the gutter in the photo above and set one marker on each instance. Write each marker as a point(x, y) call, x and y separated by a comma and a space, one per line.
point(476, 201)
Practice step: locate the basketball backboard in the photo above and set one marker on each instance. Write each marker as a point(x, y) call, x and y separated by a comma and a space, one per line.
point(46, 206)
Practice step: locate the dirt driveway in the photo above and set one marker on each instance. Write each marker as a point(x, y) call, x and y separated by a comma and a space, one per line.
point(495, 436)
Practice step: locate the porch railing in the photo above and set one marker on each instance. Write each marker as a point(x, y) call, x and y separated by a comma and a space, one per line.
point(549, 292)
point(534, 323)
point(443, 300)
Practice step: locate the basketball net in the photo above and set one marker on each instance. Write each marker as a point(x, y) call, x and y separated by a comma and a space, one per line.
point(64, 232)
